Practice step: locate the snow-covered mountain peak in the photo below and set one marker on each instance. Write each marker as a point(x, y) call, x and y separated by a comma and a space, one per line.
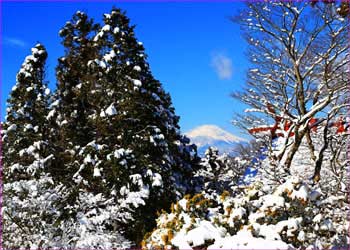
point(213, 133)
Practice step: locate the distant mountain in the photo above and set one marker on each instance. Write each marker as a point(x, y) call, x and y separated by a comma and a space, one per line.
point(211, 135)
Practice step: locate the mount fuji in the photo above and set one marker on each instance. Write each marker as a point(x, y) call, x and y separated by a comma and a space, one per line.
point(212, 135)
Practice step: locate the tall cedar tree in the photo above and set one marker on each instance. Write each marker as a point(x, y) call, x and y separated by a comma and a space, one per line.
point(27, 109)
point(135, 117)
point(26, 159)
point(73, 79)
point(70, 106)
point(118, 133)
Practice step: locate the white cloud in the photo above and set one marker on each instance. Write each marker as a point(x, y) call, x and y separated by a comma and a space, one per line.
point(222, 66)
point(14, 42)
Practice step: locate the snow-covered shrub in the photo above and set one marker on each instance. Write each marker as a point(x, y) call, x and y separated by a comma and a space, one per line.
point(29, 212)
point(290, 216)
point(94, 224)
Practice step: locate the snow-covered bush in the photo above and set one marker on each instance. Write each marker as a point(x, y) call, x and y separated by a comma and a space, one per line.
point(94, 224)
point(290, 216)
point(276, 210)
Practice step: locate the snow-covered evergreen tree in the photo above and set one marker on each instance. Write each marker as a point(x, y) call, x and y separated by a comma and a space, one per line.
point(146, 153)
point(87, 217)
point(117, 133)
point(29, 193)
point(74, 81)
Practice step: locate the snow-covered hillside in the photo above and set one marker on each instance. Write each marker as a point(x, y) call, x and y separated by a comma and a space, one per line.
point(212, 135)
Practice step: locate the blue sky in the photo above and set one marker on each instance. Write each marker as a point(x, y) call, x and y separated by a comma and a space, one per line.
point(193, 49)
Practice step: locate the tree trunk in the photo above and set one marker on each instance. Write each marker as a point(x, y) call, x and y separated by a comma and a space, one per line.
point(311, 145)
point(318, 164)
point(290, 155)
point(298, 137)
